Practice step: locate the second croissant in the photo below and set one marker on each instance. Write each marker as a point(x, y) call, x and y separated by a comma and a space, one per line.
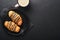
point(11, 26)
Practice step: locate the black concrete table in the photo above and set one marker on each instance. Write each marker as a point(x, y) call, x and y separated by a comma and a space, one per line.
point(44, 14)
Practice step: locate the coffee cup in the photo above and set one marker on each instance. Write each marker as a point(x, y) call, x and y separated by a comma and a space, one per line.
point(22, 3)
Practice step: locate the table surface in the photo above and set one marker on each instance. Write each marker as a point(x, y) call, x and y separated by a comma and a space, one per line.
point(44, 14)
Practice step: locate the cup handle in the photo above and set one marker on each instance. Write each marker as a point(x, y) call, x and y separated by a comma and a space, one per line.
point(16, 5)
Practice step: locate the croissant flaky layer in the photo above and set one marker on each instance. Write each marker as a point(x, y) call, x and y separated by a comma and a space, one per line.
point(11, 26)
point(15, 17)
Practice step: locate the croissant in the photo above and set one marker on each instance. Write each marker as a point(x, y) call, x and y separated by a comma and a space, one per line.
point(11, 26)
point(15, 17)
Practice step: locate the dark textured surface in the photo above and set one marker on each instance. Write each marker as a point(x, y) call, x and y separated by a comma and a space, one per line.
point(44, 14)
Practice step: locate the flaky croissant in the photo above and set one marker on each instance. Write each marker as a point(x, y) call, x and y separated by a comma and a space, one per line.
point(15, 17)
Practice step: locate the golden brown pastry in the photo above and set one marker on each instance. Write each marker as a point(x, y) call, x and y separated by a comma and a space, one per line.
point(11, 26)
point(15, 17)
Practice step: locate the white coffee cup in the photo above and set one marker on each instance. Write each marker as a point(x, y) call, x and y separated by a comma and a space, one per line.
point(22, 3)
